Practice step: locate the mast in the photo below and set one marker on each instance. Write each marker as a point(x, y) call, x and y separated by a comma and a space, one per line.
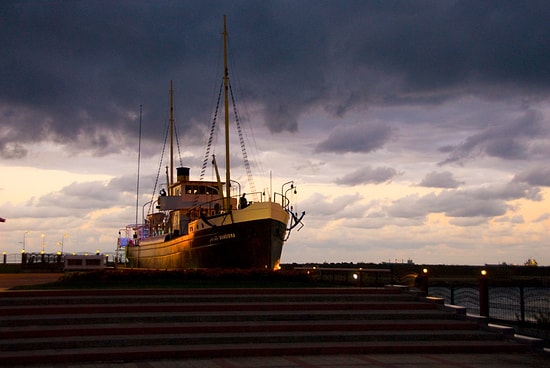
point(138, 163)
point(226, 105)
point(171, 177)
point(219, 182)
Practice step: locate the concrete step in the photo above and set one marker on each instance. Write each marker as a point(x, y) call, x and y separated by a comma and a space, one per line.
point(63, 297)
point(127, 354)
point(209, 292)
point(65, 326)
point(141, 328)
point(160, 307)
point(221, 316)
point(264, 337)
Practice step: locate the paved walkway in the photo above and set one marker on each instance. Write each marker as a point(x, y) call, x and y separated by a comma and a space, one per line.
point(342, 361)
point(9, 280)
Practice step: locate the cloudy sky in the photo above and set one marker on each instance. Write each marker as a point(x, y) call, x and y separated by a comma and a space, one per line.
point(413, 129)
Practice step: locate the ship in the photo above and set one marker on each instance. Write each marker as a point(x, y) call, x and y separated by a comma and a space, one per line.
point(203, 224)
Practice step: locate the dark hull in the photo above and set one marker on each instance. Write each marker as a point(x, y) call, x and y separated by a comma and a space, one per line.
point(249, 244)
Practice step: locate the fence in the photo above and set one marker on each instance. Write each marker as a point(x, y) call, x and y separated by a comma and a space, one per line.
point(517, 303)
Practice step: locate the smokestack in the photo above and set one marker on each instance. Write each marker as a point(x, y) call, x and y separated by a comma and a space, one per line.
point(183, 174)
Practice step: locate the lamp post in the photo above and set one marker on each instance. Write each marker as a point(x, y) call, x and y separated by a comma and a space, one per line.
point(62, 242)
point(483, 294)
point(25, 240)
point(283, 193)
point(422, 281)
point(23, 254)
point(291, 187)
point(43, 242)
point(283, 186)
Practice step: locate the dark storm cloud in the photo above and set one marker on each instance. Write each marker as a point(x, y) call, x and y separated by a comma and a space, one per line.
point(362, 138)
point(499, 139)
point(11, 150)
point(84, 196)
point(73, 69)
point(78, 71)
point(475, 203)
point(368, 175)
point(538, 175)
point(323, 206)
point(440, 180)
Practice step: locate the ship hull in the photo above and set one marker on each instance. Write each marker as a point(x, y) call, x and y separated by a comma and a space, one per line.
point(238, 244)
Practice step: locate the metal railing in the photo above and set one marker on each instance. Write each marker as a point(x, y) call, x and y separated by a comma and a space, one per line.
point(516, 303)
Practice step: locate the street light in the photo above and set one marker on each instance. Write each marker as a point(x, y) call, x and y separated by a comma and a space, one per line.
point(291, 187)
point(25, 240)
point(62, 242)
point(43, 242)
point(283, 193)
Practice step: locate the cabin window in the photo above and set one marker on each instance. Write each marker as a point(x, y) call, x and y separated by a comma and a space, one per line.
point(210, 190)
point(200, 189)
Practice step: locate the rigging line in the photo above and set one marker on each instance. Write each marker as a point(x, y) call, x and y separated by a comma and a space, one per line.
point(138, 162)
point(178, 144)
point(213, 102)
point(243, 147)
point(251, 141)
point(211, 136)
point(166, 131)
point(209, 143)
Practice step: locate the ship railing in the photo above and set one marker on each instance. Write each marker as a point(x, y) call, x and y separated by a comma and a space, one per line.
point(214, 207)
point(283, 199)
point(277, 198)
point(256, 196)
point(211, 204)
